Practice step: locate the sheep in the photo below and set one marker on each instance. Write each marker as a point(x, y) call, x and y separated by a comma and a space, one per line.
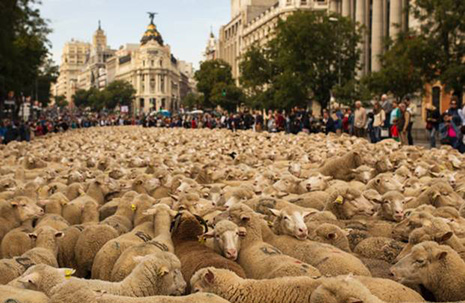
point(430, 264)
point(72, 292)
point(341, 168)
point(161, 241)
point(346, 202)
point(290, 221)
point(316, 182)
point(290, 185)
point(326, 258)
point(392, 206)
point(363, 173)
point(15, 212)
point(439, 194)
point(192, 254)
point(227, 238)
point(384, 183)
point(229, 286)
point(45, 252)
point(17, 241)
point(156, 274)
point(379, 248)
point(314, 199)
point(10, 294)
point(330, 234)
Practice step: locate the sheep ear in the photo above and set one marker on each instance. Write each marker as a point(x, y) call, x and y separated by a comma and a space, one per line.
point(332, 236)
point(33, 236)
point(245, 218)
point(162, 271)
point(59, 234)
point(209, 277)
point(275, 212)
point(445, 236)
point(378, 181)
point(441, 255)
point(305, 214)
point(29, 279)
point(327, 178)
point(435, 195)
point(209, 234)
point(434, 174)
point(354, 300)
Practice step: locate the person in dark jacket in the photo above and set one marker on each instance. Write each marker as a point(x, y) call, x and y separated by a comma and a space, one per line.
point(330, 126)
point(433, 119)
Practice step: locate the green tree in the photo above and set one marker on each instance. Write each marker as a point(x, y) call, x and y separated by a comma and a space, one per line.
point(60, 101)
point(212, 76)
point(227, 96)
point(23, 45)
point(82, 98)
point(48, 74)
point(401, 70)
point(191, 101)
point(118, 93)
point(311, 53)
point(443, 29)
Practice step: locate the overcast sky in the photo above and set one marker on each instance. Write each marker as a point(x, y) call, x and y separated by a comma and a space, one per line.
point(183, 24)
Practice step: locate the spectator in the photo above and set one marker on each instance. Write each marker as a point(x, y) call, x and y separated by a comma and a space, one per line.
point(432, 123)
point(448, 131)
point(394, 116)
point(402, 123)
point(379, 117)
point(453, 111)
point(360, 120)
point(412, 109)
point(387, 107)
point(328, 122)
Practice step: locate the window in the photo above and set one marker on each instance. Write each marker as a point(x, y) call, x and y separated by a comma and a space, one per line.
point(303, 2)
point(142, 102)
point(143, 63)
point(162, 84)
point(161, 63)
point(152, 63)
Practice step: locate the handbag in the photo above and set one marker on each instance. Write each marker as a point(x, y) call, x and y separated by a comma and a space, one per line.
point(429, 126)
point(384, 132)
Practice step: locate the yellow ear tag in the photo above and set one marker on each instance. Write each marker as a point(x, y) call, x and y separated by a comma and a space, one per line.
point(133, 207)
point(202, 240)
point(270, 223)
point(340, 200)
point(69, 273)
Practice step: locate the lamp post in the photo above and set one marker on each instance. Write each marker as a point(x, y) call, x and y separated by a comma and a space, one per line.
point(339, 71)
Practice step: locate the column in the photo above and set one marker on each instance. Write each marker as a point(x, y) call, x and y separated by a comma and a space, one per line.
point(346, 8)
point(360, 18)
point(333, 6)
point(395, 18)
point(376, 34)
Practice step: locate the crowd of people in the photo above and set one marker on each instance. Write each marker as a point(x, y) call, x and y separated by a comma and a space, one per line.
point(386, 119)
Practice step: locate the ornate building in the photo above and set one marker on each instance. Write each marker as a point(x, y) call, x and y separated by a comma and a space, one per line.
point(160, 80)
point(211, 51)
point(254, 22)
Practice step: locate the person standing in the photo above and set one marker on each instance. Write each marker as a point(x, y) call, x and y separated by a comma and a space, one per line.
point(402, 123)
point(360, 120)
point(448, 131)
point(453, 111)
point(393, 117)
point(328, 123)
point(412, 109)
point(432, 123)
point(379, 117)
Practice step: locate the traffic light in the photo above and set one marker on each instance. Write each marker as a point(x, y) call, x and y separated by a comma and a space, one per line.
point(224, 92)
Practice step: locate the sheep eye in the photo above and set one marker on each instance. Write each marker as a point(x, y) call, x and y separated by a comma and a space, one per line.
point(286, 218)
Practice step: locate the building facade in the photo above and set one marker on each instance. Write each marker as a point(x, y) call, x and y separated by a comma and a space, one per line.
point(211, 51)
point(73, 60)
point(254, 22)
point(159, 79)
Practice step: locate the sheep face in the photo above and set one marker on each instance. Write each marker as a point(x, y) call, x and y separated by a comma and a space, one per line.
point(423, 261)
point(291, 222)
point(7, 184)
point(392, 206)
point(444, 195)
point(205, 280)
point(413, 220)
point(354, 205)
point(317, 182)
point(386, 183)
point(227, 238)
point(26, 209)
point(363, 173)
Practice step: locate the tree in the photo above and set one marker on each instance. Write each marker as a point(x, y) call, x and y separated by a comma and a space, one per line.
point(401, 73)
point(227, 96)
point(212, 77)
point(351, 91)
point(48, 74)
point(23, 45)
point(442, 27)
point(191, 100)
point(118, 93)
point(83, 98)
point(60, 101)
point(311, 52)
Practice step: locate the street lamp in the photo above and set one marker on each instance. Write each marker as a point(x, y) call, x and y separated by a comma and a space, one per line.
point(339, 72)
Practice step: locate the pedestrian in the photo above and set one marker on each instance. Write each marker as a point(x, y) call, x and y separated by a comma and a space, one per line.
point(328, 122)
point(402, 123)
point(379, 117)
point(448, 131)
point(360, 120)
point(393, 117)
point(412, 109)
point(433, 118)
point(453, 111)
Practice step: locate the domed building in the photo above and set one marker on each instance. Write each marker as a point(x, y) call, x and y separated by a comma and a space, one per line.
point(160, 80)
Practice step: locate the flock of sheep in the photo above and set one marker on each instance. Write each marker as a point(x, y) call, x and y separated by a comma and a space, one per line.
point(133, 215)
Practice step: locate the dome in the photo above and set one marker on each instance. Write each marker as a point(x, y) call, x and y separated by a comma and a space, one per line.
point(151, 34)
